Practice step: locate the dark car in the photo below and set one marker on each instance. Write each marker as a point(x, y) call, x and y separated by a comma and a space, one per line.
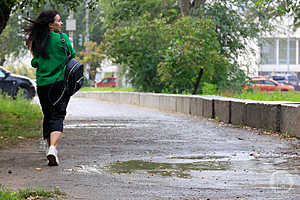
point(287, 79)
point(11, 84)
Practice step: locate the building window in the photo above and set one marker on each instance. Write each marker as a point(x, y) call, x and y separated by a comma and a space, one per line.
point(283, 46)
point(293, 51)
point(298, 51)
point(268, 51)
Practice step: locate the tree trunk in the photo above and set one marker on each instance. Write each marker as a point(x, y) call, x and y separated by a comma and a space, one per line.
point(186, 5)
point(198, 81)
point(198, 3)
point(2, 60)
point(5, 9)
point(165, 3)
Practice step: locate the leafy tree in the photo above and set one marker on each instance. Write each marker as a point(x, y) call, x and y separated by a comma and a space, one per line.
point(13, 32)
point(136, 38)
point(235, 22)
point(282, 8)
point(93, 56)
point(120, 13)
point(22, 70)
point(3, 40)
point(193, 51)
point(11, 39)
point(138, 48)
point(9, 6)
point(96, 29)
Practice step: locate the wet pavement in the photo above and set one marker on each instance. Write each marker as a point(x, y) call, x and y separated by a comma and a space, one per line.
point(115, 151)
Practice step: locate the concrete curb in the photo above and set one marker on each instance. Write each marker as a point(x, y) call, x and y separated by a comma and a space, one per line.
point(276, 116)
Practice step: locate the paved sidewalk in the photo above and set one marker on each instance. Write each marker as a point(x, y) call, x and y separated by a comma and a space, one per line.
point(112, 151)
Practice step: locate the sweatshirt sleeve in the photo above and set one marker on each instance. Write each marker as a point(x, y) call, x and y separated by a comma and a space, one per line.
point(69, 46)
point(34, 62)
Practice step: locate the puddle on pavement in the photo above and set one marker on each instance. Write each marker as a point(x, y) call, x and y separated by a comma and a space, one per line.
point(95, 125)
point(84, 169)
point(107, 124)
point(197, 157)
point(189, 166)
point(180, 170)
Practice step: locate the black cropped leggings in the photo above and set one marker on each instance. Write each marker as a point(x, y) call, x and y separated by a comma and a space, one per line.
point(53, 115)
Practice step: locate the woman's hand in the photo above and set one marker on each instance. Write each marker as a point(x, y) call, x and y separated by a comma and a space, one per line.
point(29, 44)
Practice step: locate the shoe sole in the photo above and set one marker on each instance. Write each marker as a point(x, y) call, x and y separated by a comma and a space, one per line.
point(52, 160)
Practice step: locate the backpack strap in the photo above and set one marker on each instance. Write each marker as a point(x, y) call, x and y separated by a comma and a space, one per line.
point(63, 41)
point(64, 90)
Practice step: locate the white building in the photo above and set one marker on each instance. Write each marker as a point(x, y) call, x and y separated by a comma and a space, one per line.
point(279, 51)
point(109, 69)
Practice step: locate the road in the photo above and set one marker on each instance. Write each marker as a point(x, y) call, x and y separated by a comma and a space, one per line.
point(115, 151)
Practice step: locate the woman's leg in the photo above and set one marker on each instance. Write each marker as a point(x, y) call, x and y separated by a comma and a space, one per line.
point(52, 152)
point(56, 123)
point(53, 121)
point(54, 138)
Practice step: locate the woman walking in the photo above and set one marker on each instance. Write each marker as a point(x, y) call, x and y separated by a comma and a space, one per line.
point(44, 39)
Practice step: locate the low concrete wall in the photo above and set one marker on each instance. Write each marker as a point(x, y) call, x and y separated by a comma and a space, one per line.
point(135, 98)
point(125, 98)
point(238, 112)
point(290, 119)
point(150, 100)
point(223, 110)
point(196, 104)
point(208, 107)
point(276, 116)
point(183, 104)
point(167, 103)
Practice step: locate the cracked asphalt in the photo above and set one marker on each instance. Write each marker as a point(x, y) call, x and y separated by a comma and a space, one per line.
point(218, 161)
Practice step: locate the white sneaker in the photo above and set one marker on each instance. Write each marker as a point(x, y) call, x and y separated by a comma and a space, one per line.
point(52, 156)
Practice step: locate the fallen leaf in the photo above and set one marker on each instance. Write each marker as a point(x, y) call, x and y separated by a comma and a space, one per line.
point(149, 174)
point(38, 169)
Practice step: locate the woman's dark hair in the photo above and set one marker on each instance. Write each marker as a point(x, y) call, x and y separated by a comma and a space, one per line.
point(38, 31)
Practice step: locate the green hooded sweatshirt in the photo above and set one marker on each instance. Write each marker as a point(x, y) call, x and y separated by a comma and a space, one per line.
point(52, 69)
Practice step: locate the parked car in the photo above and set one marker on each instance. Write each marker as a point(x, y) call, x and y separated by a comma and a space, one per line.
point(266, 84)
point(107, 82)
point(11, 84)
point(286, 79)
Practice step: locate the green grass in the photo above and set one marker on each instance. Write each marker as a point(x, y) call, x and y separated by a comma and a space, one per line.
point(271, 96)
point(84, 89)
point(253, 95)
point(34, 194)
point(19, 119)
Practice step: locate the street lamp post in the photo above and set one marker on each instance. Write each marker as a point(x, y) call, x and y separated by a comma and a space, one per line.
point(288, 39)
point(87, 66)
point(288, 44)
point(71, 26)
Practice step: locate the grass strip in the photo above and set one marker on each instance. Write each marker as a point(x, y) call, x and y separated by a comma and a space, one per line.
point(253, 95)
point(269, 96)
point(19, 119)
point(32, 194)
point(86, 89)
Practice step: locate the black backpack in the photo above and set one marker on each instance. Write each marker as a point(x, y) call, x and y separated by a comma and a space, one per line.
point(73, 77)
point(73, 74)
